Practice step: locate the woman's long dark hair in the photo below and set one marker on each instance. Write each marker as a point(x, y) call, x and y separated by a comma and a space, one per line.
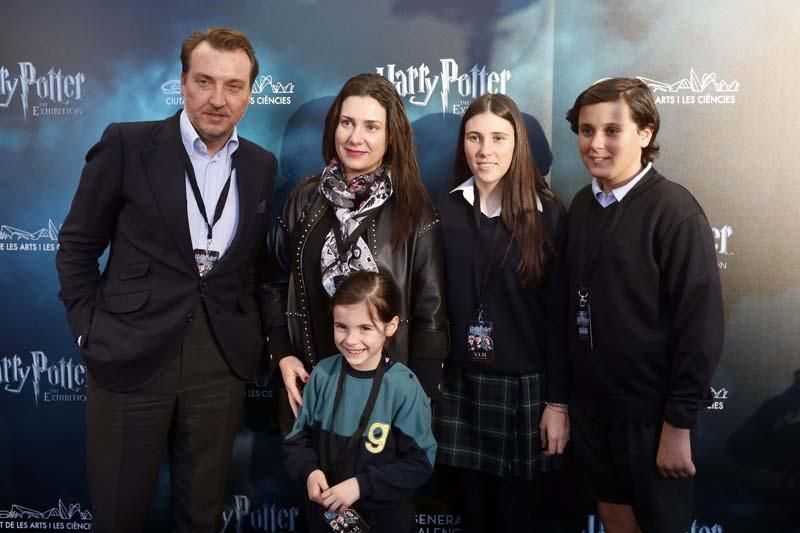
point(521, 185)
point(401, 156)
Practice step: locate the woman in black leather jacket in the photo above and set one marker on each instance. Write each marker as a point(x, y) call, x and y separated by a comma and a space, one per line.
point(367, 210)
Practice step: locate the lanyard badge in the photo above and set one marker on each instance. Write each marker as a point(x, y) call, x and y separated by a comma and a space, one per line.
point(480, 332)
point(480, 340)
point(207, 258)
point(584, 321)
point(348, 520)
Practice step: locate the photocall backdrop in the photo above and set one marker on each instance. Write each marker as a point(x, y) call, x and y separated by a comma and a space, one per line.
point(724, 74)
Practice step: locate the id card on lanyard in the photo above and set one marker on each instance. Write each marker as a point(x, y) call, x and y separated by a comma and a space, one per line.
point(207, 258)
point(480, 331)
point(349, 516)
point(583, 315)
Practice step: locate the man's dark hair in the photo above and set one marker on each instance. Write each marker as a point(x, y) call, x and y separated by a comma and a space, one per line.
point(220, 39)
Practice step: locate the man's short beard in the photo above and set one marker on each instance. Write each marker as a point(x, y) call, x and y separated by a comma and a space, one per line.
point(206, 136)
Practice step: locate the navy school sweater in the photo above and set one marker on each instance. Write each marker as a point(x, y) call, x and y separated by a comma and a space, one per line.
point(396, 453)
point(529, 322)
point(656, 303)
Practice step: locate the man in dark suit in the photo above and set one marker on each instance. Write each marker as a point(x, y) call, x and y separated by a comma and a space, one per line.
point(173, 324)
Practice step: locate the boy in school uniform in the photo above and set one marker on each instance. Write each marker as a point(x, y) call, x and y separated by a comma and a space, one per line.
point(647, 315)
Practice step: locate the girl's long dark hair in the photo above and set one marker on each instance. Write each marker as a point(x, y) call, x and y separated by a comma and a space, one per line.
point(521, 185)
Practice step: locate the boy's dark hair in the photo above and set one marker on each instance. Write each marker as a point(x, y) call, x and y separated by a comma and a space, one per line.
point(377, 289)
point(226, 39)
point(640, 101)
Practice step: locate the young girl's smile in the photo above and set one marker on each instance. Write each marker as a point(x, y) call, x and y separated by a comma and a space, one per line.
point(360, 337)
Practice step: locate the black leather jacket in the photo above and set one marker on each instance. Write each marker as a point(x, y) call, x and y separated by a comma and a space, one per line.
point(418, 268)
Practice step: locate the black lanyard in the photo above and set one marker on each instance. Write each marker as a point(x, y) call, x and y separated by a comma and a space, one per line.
point(342, 244)
point(223, 197)
point(482, 262)
point(586, 267)
point(335, 458)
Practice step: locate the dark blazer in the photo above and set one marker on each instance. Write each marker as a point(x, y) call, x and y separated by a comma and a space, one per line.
point(132, 317)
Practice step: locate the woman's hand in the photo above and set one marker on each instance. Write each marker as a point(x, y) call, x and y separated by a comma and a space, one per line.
point(316, 484)
point(554, 429)
point(292, 370)
point(341, 496)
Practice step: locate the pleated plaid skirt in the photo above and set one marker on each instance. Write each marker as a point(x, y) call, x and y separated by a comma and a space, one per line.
point(490, 423)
